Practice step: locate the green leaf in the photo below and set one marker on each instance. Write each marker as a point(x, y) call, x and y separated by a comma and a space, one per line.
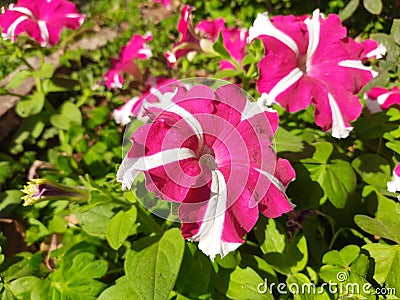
point(293, 259)
point(373, 169)
point(75, 277)
point(22, 287)
point(227, 73)
point(387, 264)
point(343, 257)
point(46, 71)
point(387, 226)
point(220, 48)
point(155, 268)
point(10, 197)
point(388, 41)
point(98, 116)
point(18, 79)
point(69, 115)
point(243, 284)
point(298, 284)
point(95, 221)
point(373, 6)
point(349, 9)
point(336, 179)
point(120, 227)
point(395, 30)
point(122, 289)
point(270, 236)
point(31, 106)
point(286, 141)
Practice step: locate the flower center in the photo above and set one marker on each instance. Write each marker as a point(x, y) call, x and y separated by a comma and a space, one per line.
point(209, 161)
point(302, 63)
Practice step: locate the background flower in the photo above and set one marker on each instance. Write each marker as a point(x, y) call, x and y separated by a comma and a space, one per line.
point(378, 98)
point(42, 20)
point(311, 61)
point(136, 48)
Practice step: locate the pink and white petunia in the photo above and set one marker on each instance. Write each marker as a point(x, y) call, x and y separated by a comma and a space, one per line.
point(42, 20)
point(165, 3)
point(136, 48)
point(235, 41)
point(394, 185)
point(372, 50)
point(379, 98)
point(211, 152)
point(133, 108)
point(311, 61)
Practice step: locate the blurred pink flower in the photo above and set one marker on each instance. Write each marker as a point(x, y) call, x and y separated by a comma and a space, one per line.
point(165, 3)
point(42, 20)
point(135, 49)
point(311, 61)
point(394, 185)
point(212, 152)
point(378, 98)
point(372, 50)
point(235, 41)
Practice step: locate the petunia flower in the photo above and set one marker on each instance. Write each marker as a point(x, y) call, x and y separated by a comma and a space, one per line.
point(165, 3)
point(235, 41)
point(156, 87)
point(311, 61)
point(42, 20)
point(394, 185)
point(372, 50)
point(378, 98)
point(42, 189)
point(136, 48)
point(211, 152)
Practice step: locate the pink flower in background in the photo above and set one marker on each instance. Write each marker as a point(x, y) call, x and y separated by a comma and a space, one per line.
point(188, 42)
point(136, 48)
point(394, 185)
point(372, 50)
point(155, 90)
point(165, 3)
point(310, 61)
point(211, 151)
point(210, 28)
point(42, 20)
point(378, 98)
point(235, 41)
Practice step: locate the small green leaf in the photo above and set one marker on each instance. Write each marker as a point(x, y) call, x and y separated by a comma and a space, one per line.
point(69, 115)
point(95, 221)
point(387, 264)
point(46, 71)
point(387, 226)
point(286, 141)
point(22, 287)
point(10, 197)
point(270, 236)
point(18, 79)
point(155, 268)
point(220, 48)
point(343, 257)
point(373, 6)
point(122, 289)
point(349, 9)
point(395, 30)
point(120, 227)
point(373, 169)
point(244, 283)
point(227, 73)
point(30, 106)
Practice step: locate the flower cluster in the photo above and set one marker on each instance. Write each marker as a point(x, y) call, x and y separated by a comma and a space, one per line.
point(212, 152)
point(311, 61)
point(202, 36)
point(136, 48)
point(42, 20)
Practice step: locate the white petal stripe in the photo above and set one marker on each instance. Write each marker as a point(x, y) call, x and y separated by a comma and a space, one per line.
point(22, 10)
point(11, 30)
point(339, 129)
point(313, 26)
point(209, 235)
point(285, 83)
point(381, 99)
point(263, 26)
point(167, 105)
point(131, 167)
point(357, 64)
point(44, 33)
point(275, 181)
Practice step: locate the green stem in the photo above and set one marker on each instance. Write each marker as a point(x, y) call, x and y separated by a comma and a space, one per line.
point(25, 61)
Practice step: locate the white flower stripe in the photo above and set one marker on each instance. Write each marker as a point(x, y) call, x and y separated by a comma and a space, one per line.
point(44, 32)
point(263, 26)
point(313, 26)
point(357, 64)
point(382, 98)
point(131, 167)
point(22, 10)
point(339, 129)
point(209, 235)
point(11, 30)
point(285, 83)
